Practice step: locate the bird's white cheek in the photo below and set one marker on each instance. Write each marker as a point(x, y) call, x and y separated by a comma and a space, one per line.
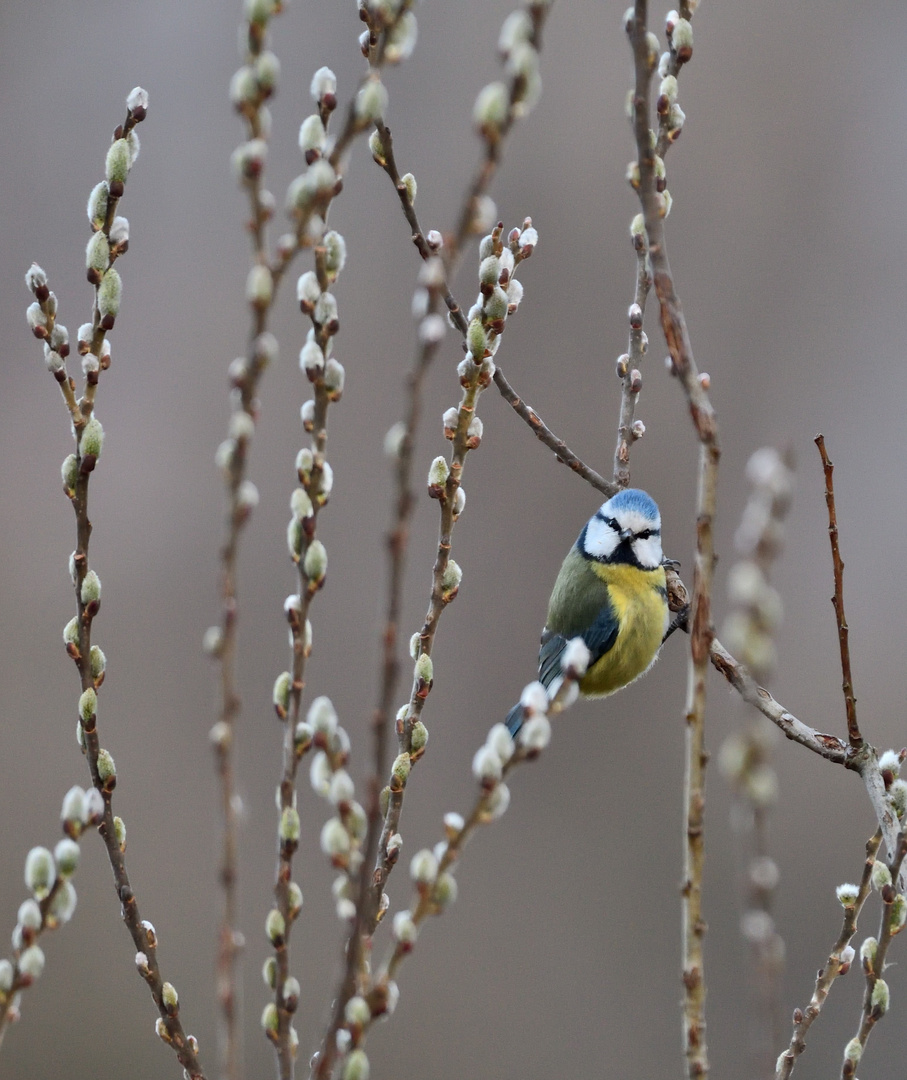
point(648, 552)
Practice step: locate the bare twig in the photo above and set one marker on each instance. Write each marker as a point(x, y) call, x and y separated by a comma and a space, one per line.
point(850, 702)
point(827, 746)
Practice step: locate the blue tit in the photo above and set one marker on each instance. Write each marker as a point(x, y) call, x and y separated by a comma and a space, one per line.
point(611, 592)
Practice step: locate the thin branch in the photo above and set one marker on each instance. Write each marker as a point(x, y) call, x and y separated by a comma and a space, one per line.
point(826, 746)
point(654, 207)
point(876, 998)
point(835, 965)
point(628, 372)
point(850, 702)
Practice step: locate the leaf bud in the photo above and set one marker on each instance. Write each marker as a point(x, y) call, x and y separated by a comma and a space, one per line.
point(315, 564)
point(880, 997)
point(418, 740)
point(169, 997)
point(69, 471)
point(409, 183)
point(342, 789)
point(281, 693)
point(446, 889)
point(91, 588)
point(357, 1012)
point(847, 895)
point(289, 826)
point(275, 927)
point(246, 497)
point(325, 313)
point(491, 110)
point(259, 287)
point(94, 807)
point(117, 165)
point(137, 102)
point(334, 376)
point(29, 915)
point(107, 770)
point(335, 841)
point(97, 256)
point(459, 502)
point(897, 793)
point(424, 669)
point(575, 658)
point(72, 813)
point(31, 962)
point(881, 875)
point(40, 871)
point(324, 86)
point(356, 1066)
point(496, 803)
point(322, 716)
point(682, 40)
point(501, 742)
point(66, 857)
point(91, 443)
point(450, 580)
point(88, 704)
point(376, 148)
point(535, 734)
point(334, 253)
point(423, 868)
point(476, 338)
point(37, 320)
point(270, 1018)
point(267, 72)
point(853, 1051)
point(897, 915)
point(371, 102)
point(437, 476)
point(487, 766)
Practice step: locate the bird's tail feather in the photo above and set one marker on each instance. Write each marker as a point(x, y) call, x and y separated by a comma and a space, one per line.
point(514, 719)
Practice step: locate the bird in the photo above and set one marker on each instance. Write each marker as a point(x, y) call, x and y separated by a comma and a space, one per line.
point(611, 592)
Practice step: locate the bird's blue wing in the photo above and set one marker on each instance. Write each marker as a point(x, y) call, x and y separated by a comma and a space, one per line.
point(599, 639)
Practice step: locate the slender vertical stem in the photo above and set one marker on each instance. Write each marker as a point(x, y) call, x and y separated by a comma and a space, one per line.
point(850, 701)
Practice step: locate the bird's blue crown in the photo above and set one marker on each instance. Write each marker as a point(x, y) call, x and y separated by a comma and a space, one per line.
point(635, 500)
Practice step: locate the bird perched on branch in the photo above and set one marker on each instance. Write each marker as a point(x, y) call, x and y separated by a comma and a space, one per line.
point(610, 592)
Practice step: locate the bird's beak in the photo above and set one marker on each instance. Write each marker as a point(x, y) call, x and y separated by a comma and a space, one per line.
point(626, 534)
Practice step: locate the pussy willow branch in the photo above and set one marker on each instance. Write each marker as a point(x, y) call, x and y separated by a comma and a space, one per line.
point(169, 1025)
point(684, 367)
point(538, 12)
point(542, 432)
point(873, 970)
point(631, 380)
point(365, 918)
point(834, 966)
point(850, 702)
point(450, 254)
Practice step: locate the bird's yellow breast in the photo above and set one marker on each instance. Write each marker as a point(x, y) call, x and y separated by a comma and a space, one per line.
point(638, 599)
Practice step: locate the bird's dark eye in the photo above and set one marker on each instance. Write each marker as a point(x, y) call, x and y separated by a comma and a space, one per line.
point(611, 523)
point(644, 535)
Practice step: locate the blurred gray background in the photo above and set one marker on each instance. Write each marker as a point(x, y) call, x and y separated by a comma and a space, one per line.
point(788, 233)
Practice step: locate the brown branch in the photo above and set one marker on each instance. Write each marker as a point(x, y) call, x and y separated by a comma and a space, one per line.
point(875, 1005)
point(835, 965)
point(826, 746)
point(850, 702)
point(628, 366)
point(654, 206)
